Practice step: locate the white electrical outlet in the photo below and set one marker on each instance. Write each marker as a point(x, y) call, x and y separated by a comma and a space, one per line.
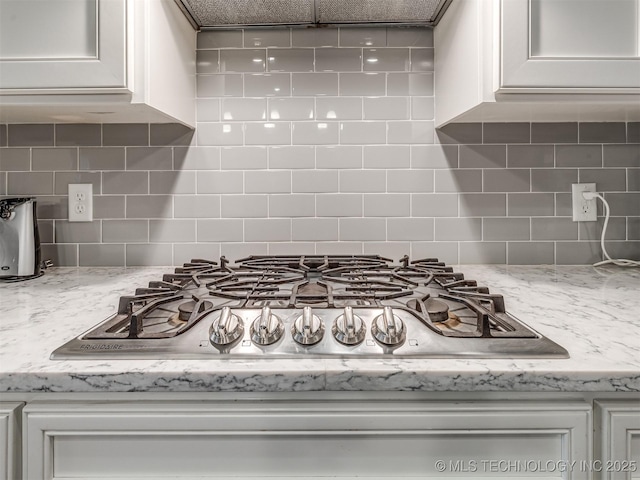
point(80, 202)
point(583, 210)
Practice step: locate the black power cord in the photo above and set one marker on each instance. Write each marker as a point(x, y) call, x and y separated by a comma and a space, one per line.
point(22, 278)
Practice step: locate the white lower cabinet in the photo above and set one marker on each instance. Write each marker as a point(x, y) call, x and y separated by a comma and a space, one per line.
point(617, 446)
point(381, 439)
point(10, 440)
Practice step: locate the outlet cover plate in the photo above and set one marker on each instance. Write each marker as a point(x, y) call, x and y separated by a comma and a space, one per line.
point(80, 202)
point(583, 210)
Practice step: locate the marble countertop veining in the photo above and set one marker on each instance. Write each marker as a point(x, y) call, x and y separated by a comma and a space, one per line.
point(593, 313)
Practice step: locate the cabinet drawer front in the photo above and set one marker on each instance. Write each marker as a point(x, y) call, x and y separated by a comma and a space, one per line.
point(45, 60)
point(298, 440)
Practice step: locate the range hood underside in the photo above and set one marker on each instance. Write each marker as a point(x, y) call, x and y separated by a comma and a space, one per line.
point(208, 14)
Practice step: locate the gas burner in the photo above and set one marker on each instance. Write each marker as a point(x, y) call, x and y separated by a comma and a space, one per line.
point(186, 309)
point(282, 306)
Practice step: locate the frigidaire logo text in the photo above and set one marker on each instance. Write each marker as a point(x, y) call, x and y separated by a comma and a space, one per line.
point(102, 346)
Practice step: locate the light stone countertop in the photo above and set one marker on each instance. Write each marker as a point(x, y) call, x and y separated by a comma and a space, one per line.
point(593, 313)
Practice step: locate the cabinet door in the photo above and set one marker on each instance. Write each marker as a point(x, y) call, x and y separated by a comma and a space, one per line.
point(586, 46)
point(62, 44)
point(617, 442)
point(9, 441)
point(269, 439)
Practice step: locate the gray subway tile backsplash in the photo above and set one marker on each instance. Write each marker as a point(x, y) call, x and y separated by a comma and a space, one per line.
point(496, 229)
point(125, 182)
point(606, 179)
point(434, 205)
point(268, 84)
point(458, 180)
point(146, 158)
point(267, 38)
point(28, 183)
point(483, 252)
point(149, 206)
point(78, 135)
point(633, 179)
point(506, 133)
point(603, 132)
point(616, 229)
point(621, 155)
point(125, 231)
point(63, 179)
point(410, 181)
point(460, 133)
point(530, 204)
point(554, 133)
point(578, 156)
point(98, 158)
point(107, 206)
point(103, 255)
point(553, 179)
point(77, 232)
point(30, 135)
point(633, 132)
point(292, 205)
point(15, 159)
point(220, 230)
point(530, 156)
point(458, 229)
point(147, 255)
point(172, 231)
point(317, 148)
point(169, 134)
point(506, 180)
point(483, 156)
point(196, 206)
point(387, 205)
point(126, 134)
point(52, 159)
point(530, 253)
point(553, 228)
point(483, 204)
point(172, 182)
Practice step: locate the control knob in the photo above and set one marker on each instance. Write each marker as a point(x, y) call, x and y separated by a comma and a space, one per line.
point(349, 329)
point(267, 328)
point(226, 329)
point(388, 329)
point(308, 328)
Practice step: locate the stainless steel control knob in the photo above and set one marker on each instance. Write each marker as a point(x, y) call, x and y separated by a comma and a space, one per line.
point(349, 329)
point(308, 328)
point(388, 329)
point(226, 329)
point(267, 328)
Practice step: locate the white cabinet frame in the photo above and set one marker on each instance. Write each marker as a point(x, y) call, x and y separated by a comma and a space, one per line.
point(520, 71)
point(617, 426)
point(9, 440)
point(58, 438)
point(107, 70)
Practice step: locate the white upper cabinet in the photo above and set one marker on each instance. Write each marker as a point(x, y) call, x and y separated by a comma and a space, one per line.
point(538, 60)
point(570, 44)
point(103, 61)
point(62, 44)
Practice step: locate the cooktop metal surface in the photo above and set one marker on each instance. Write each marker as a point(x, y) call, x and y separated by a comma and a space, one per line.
point(313, 306)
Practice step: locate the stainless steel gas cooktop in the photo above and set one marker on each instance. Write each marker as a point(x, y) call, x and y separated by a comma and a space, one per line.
point(314, 306)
